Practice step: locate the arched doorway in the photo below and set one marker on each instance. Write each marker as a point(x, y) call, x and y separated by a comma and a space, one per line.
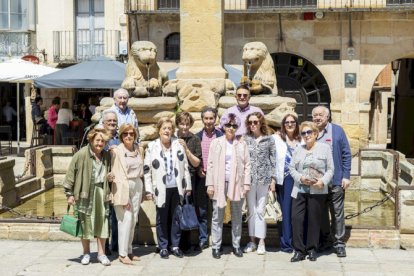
point(298, 78)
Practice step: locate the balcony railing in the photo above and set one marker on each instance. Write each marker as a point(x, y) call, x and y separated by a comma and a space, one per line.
point(77, 46)
point(247, 6)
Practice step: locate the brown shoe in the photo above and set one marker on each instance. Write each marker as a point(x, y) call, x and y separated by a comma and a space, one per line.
point(133, 258)
point(125, 260)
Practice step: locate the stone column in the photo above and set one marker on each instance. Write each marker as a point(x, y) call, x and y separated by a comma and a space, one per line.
point(201, 32)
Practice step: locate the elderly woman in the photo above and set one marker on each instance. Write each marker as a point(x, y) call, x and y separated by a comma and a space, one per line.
point(228, 176)
point(127, 170)
point(312, 169)
point(192, 146)
point(287, 140)
point(167, 180)
point(263, 160)
point(86, 187)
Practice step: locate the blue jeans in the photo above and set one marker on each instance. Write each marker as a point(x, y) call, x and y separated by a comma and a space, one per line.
point(285, 200)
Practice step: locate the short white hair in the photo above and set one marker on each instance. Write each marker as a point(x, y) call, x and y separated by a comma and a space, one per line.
point(324, 108)
point(121, 91)
point(108, 111)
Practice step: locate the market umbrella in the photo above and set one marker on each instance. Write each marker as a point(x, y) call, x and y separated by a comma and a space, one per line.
point(99, 72)
point(18, 71)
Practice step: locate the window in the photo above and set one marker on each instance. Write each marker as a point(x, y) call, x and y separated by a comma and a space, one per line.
point(168, 4)
point(16, 14)
point(172, 47)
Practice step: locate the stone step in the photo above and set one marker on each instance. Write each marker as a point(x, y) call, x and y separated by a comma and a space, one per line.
point(33, 194)
point(28, 187)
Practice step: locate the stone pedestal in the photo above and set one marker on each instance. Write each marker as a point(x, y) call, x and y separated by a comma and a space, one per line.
point(201, 32)
point(7, 183)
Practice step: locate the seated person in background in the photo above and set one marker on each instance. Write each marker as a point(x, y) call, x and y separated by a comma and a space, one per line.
point(37, 115)
point(65, 116)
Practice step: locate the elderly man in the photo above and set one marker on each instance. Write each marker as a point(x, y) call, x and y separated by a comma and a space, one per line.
point(243, 108)
point(334, 135)
point(110, 123)
point(123, 112)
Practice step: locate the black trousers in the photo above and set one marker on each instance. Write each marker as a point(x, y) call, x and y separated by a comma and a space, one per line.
point(307, 207)
point(168, 226)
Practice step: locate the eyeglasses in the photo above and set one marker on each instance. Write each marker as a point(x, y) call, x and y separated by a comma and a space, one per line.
point(239, 96)
point(253, 123)
point(308, 132)
point(129, 133)
point(290, 123)
point(233, 126)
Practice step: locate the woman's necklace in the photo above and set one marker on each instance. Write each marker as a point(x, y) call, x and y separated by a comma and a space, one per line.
point(169, 172)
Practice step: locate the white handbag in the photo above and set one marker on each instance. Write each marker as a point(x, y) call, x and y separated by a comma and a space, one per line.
point(272, 209)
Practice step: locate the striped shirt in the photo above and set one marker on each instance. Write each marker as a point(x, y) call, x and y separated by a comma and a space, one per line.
point(205, 146)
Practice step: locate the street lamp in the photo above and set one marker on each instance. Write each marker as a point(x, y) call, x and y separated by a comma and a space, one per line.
point(395, 66)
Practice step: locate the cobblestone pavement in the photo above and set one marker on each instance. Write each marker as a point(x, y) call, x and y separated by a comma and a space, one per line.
point(63, 258)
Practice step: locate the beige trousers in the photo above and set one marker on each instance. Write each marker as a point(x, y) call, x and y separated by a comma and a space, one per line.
point(127, 219)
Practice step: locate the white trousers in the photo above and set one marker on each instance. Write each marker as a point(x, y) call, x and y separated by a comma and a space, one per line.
point(127, 219)
point(256, 201)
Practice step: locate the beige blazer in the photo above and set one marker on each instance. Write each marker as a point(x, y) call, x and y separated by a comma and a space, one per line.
point(240, 170)
point(120, 185)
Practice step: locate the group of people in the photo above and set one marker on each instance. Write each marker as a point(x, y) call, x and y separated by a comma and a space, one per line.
point(58, 119)
point(307, 165)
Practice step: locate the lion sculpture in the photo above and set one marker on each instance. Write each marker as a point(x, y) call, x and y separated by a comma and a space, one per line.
point(143, 77)
point(259, 70)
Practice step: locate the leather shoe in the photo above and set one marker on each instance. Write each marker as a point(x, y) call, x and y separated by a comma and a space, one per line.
point(312, 255)
point(216, 253)
point(341, 252)
point(177, 252)
point(164, 253)
point(297, 257)
point(237, 252)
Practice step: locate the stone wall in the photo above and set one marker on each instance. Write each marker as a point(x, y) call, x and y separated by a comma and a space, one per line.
point(378, 38)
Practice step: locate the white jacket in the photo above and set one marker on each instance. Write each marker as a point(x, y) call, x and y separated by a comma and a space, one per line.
point(281, 149)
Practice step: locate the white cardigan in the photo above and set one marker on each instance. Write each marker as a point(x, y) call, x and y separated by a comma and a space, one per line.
point(281, 149)
point(155, 171)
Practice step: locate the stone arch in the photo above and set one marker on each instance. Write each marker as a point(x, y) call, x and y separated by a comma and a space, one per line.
point(172, 46)
point(299, 78)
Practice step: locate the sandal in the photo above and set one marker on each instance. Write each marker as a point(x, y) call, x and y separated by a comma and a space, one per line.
point(125, 260)
point(103, 259)
point(133, 258)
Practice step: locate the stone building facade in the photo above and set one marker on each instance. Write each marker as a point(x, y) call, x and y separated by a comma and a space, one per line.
point(339, 50)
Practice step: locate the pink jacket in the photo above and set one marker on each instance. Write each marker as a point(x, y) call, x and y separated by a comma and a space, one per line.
point(52, 116)
point(240, 170)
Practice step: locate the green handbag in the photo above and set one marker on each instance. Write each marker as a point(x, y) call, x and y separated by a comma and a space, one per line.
point(71, 224)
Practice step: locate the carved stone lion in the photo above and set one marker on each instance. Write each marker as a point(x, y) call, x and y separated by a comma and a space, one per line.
point(259, 69)
point(143, 77)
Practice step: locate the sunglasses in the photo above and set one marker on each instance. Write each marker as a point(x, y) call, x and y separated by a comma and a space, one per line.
point(233, 126)
point(129, 133)
point(239, 96)
point(253, 123)
point(308, 132)
point(290, 123)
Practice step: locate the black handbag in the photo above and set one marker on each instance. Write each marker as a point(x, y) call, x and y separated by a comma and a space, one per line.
point(71, 224)
point(187, 216)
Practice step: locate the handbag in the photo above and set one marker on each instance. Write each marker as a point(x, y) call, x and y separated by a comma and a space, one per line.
point(71, 224)
point(272, 209)
point(186, 215)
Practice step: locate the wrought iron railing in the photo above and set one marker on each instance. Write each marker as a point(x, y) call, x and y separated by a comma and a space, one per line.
point(246, 6)
point(77, 46)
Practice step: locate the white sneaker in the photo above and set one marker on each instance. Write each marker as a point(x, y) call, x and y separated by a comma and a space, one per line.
point(86, 259)
point(250, 247)
point(261, 249)
point(103, 259)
